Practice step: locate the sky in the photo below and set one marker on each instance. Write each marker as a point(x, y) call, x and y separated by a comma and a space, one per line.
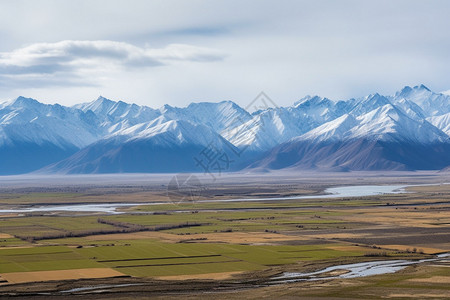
point(175, 52)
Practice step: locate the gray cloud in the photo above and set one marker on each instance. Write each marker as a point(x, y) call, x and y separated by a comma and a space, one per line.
point(69, 58)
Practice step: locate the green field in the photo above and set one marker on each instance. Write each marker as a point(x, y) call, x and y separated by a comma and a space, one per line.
point(153, 258)
point(244, 221)
point(41, 226)
point(34, 198)
point(42, 259)
point(288, 203)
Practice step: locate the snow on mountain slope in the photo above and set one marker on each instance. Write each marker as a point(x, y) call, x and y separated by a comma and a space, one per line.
point(170, 133)
point(170, 146)
point(385, 123)
point(218, 116)
point(271, 127)
point(314, 106)
point(27, 120)
point(311, 112)
point(368, 104)
point(389, 123)
point(264, 131)
point(432, 104)
point(410, 108)
point(337, 129)
point(115, 116)
point(442, 122)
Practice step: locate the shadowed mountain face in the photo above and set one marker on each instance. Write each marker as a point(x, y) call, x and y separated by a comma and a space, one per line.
point(357, 154)
point(107, 157)
point(25, 157)
point(406, 131)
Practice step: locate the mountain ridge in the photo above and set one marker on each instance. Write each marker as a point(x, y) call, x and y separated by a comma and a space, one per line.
point(369, 132)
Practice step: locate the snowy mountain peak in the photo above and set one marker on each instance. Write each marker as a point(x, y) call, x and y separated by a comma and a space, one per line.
point(166, 108)
point(369, 103)
point(408, 91)
point(218, 116)
point(100, 105)
point(212, 106)
point(311, 101)
point(102, 99)
point(405, 91)
point(375, 98)
point(422, 87)
point(430, 103)
point(24, 102)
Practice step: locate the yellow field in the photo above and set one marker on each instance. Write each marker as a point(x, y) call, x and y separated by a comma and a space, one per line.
point(220, 237)
point(23, 277)
point(209, 276)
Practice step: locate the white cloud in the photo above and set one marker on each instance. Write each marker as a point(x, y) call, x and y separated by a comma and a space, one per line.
point(51, 63)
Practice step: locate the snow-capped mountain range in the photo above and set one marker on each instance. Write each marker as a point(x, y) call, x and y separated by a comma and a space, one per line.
point(409, 130)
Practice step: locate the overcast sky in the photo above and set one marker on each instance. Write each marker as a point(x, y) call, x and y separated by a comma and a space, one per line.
point(177, 52)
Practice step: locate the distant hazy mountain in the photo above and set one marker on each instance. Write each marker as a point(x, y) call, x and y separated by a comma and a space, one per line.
point(407, 131)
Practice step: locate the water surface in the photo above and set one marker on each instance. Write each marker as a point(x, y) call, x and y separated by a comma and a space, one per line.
point(111, 208)
point(356, 270)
